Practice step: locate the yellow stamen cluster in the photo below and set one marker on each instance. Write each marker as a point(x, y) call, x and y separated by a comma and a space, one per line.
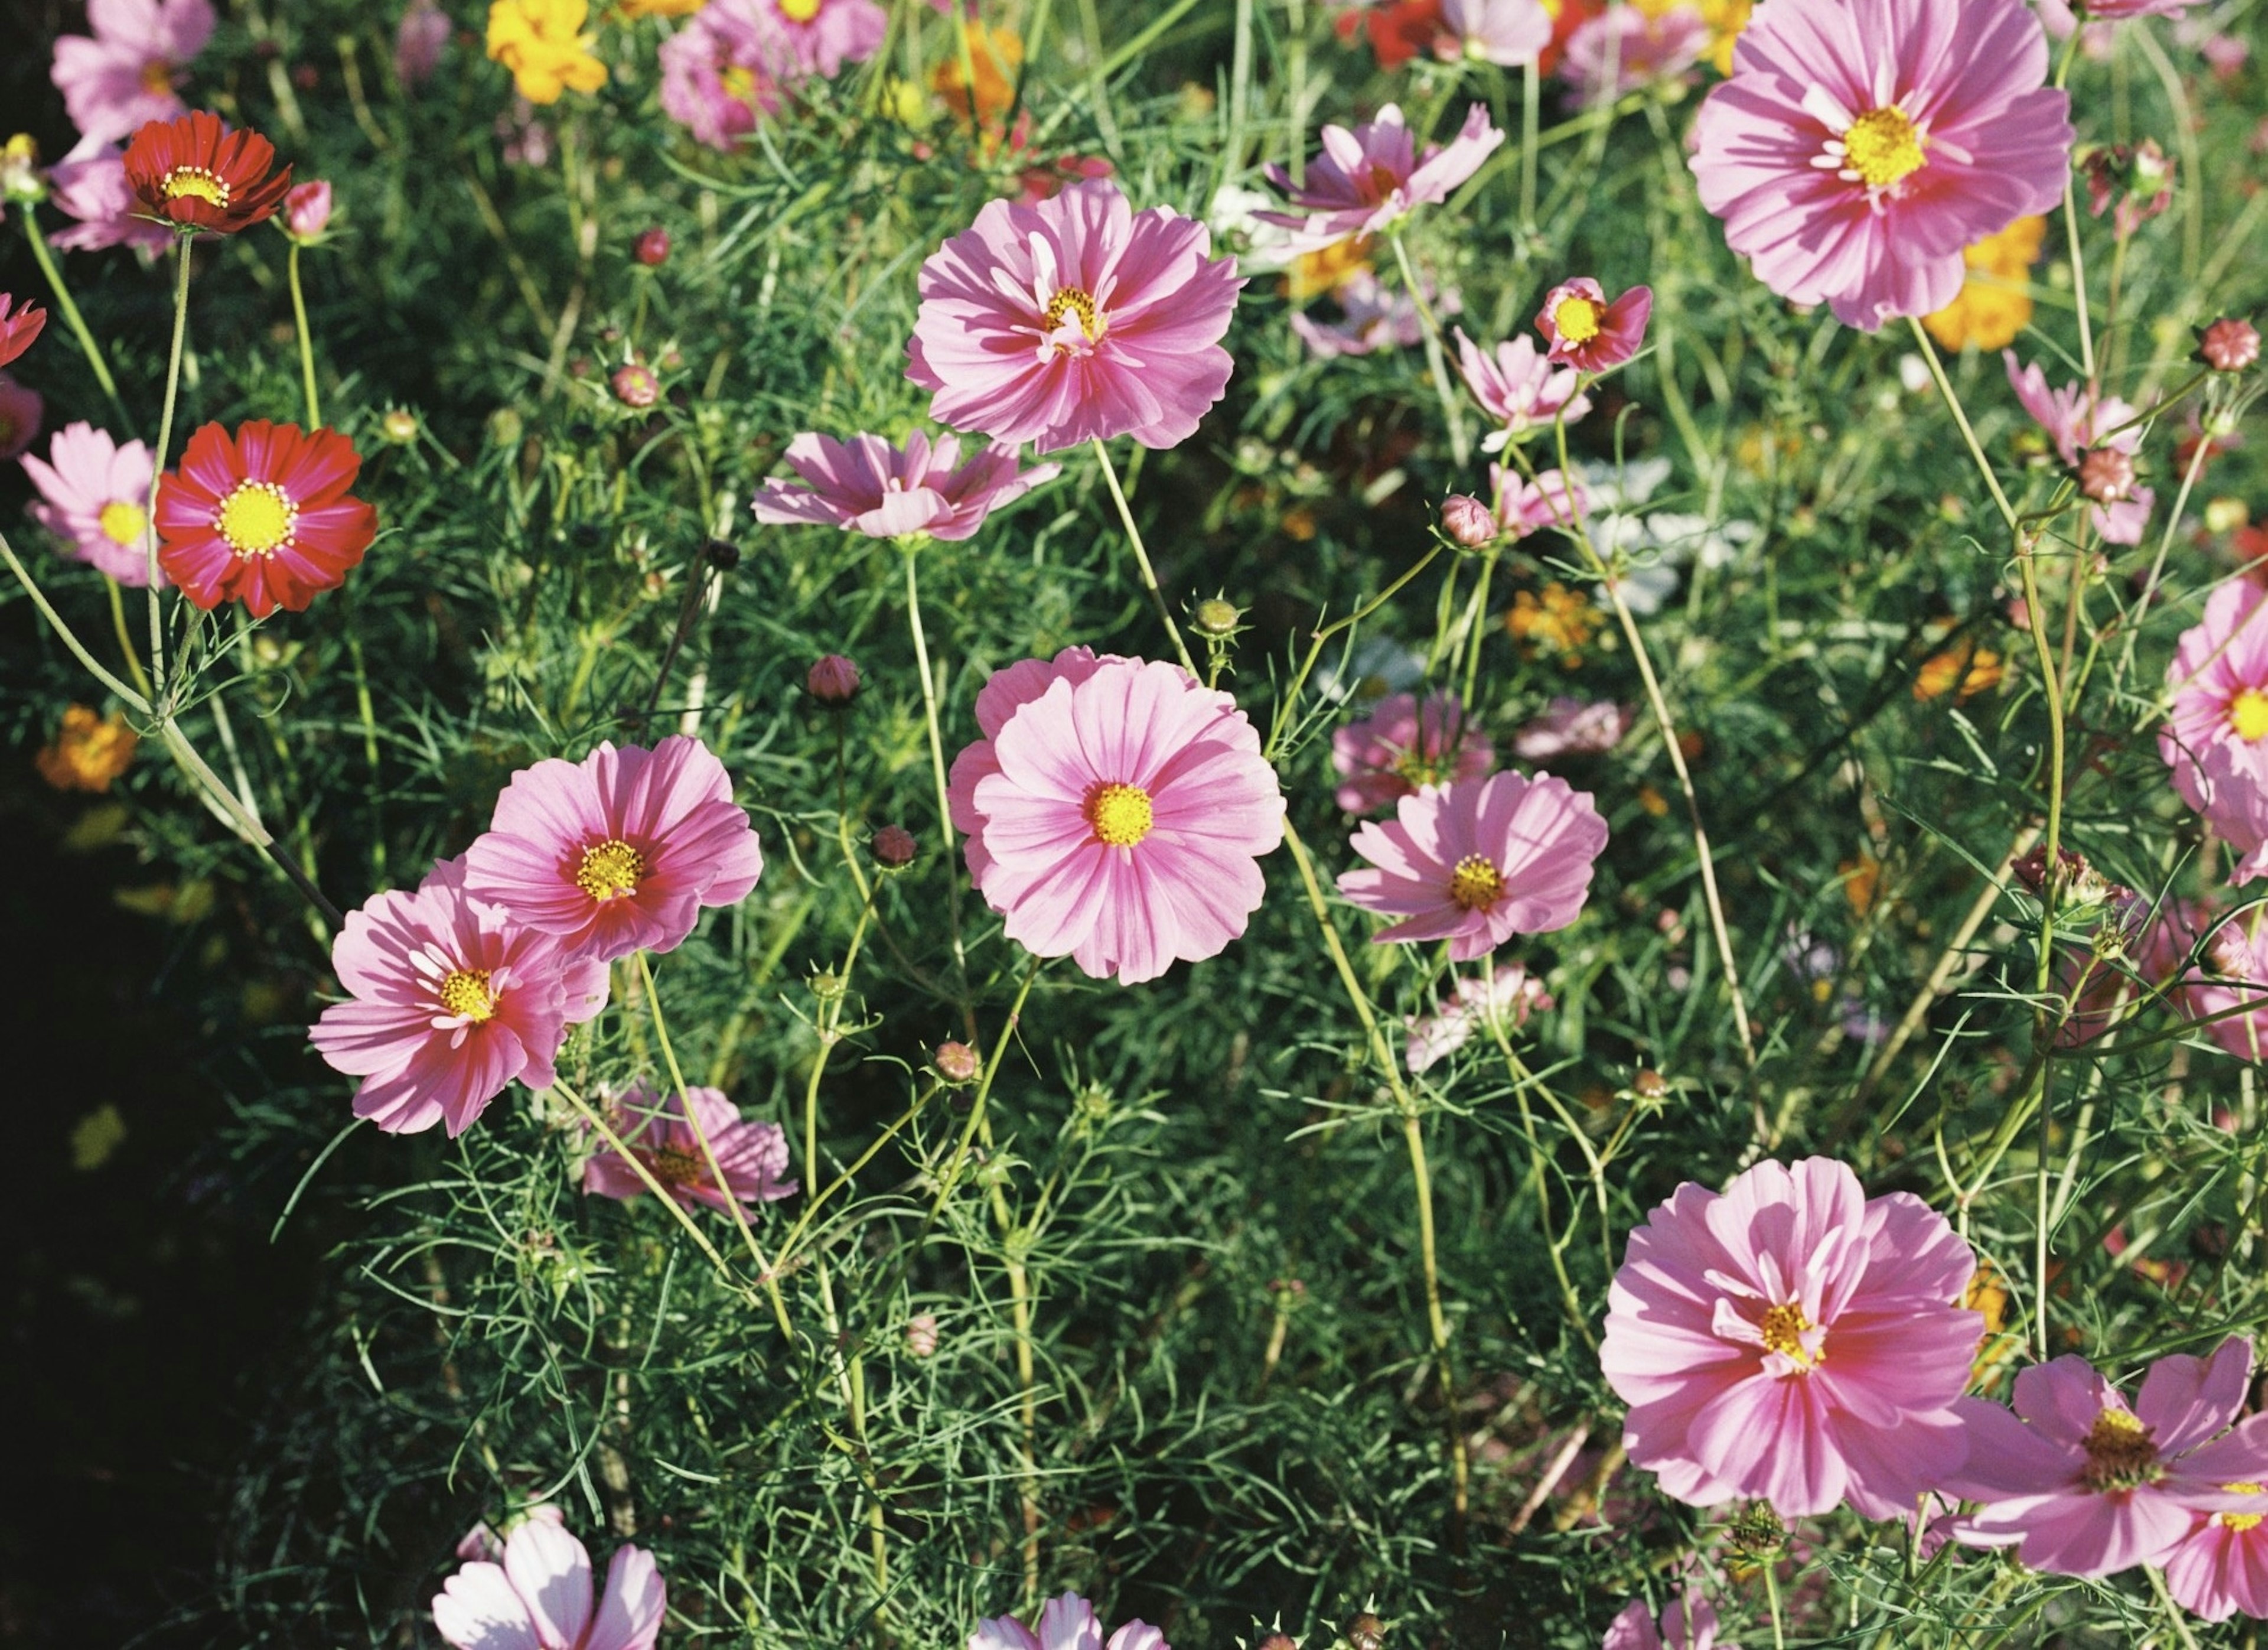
point(1783, 1329)
point(1884, 148)
point(674, 1165)
point(198, 182)
point(1071, 301)
point(1120, 815)
point(465, 991)
point(1577, 320)
point(1476, 885)
point(122, 522)
point(611, 870)
point(2248, 714)
point(800, 10)
point(258, 518)
point(2119, 1453)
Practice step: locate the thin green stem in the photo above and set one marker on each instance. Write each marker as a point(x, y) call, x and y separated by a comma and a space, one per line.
point(929, 702)
point(614, 1142)
point(1961, 417)
point(1478, 631)
point(1286, 711)
point(2078, 276)
point(64, 634)
point(181, 244)
point(1530, 114)
point(1141, 556)
point(1437, 361)
point(45, 258)
point(306, 340)
point(125, 635)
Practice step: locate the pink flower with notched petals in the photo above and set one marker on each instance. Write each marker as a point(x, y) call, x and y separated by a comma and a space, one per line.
point(865, 485)
point(1067, 1623)
point(1506, 999)
point(1794, 1340)
point(2072, 415)
point(449, 1002)
point(660, 1134)
point(820, 36)
point(122, 76)
point(1374, 318)
point(1403, 745)
point(1118, 816)
point(1688, 1623)
point(2221, 1567)
point(1074, 319)
point(2083, 1484)
point(1861, 145)
point(1625, 47)
point(1553, 500)
point(539, 1598)
point(1373, 177)
point(1507, 32)
point(718, 71)
point(95, 496)
point(1572, 726)
point(90, 185)
point(618, 852)
point(1518, 387)
point(2219, 684)
point(1477, 861)
point(1586, 332)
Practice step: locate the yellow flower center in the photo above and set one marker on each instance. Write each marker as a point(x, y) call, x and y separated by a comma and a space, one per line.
point(1577, 319)
point(204, 185)
point(465, 991)
point(121, 522)
point(2248, 714)
point(611, 870)
point(157, 77)
point(1476, 884)
point(674, 1165)
point(1071, 301)
point(2240, 1521)
point(258, 518)
point(2119, 1453)
point(1883, 148)
point(1783, 1328)
point(740, 85)
point(799, 11)
point(1120, 815)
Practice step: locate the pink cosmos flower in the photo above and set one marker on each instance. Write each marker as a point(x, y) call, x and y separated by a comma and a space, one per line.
point(1586, 332)
point(1004, 692)
point(2221, 1567)
point(1506, 997)
point(1117, 814)
point(1625, 47)
point(123, 77)
point(1519, 388)
point(2084, 1485)
point(90, 185)
point(449, 1001)
point(1688, 1623)
point(1067, 1623)
point(618, 852)
point(20, 330)
point(1372, 177)
point(419, 40)
point(1074, 319)
point(1861, 144)
point(20, 411)
point(1477, 861)
point(1794, 1340)
point(655, 1127)
point(821, 35)
point(2219, 682)
point(1509, 32)
point(1570, 726)
point(718, 73)
point(2228, 994)
point(307, 210)
point(95, 497)
point(2235, 782)
point(539, 1598)
point(2072, 415)
point(1374, 318)
point(1551, 500)
point(1401, 746)
point(481, 1541)
point(865, 485)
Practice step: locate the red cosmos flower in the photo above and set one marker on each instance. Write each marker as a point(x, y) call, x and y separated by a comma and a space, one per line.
point(263, 516)
point(17, 331)
point(196, 174)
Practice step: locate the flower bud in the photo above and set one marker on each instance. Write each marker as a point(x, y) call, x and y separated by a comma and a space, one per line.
point(1649, 1084)
point(1278, 1641)
point(834, 681)
point(957, 1063)
point(2230, 345)
point(1468, 520)
point(19, 170)
point(722, 555)
point(1366, 1632)
point(894, 847)
point(2105, 475)
point(306, 210)
point(635, 385)
point(921, 1334)
point(399, 425)
point(652, 247)
point(1216, 620)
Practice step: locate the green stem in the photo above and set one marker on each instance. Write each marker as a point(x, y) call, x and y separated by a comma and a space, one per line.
point(1961, 417)
point(1437, 363)
point(1141, 556)
point(77, 322)
point(2078, 277)
point(158, 465)
point(615, 1143)
point(1477, 629)
point(306, 343)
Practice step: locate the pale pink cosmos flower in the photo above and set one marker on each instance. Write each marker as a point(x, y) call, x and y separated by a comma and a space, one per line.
point(1477, 861)
point(865, 485)
point(1625, 47)
point(718, 71)
point(1688, 1623)
point(820, 36)
point(1520, 387)
point(2071, 418)
point(1586, 332)
point(1794, 1340)
point(1067, 1623)
point(2221, 1567)
point(1403, 745)
point(2219, 684)
point(449, 1002)
point(2235, 780)
point(1551, 500)
point(659, 1134)
point(481, 1541)
point(1076, 319)
point(1373, 177)
point(1569, 726)
point(2084, 1484)
point(618, 852)
point(1506, 997)
point(538, 1597)
point(1508, 33)
point(1119, 818)
point(123, 76)
point(1004, 692)
point(1861, 144)
point(2228, 994)
point(90, 185)
point(1374, 318)
point(419, 40)
point(95, 496)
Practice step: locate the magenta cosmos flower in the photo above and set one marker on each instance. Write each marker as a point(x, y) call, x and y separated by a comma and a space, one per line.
point(2084, 1484)
point(2219, 681)
point(2072, 416)
point(1520, 387)
point(1477, 861)
point(620, 851)
point(1688, 1623)
point(539, 1598)
point(2221, 1567)
point(95, 496)
point(1628, 46)
point(123, 76)
point(1861, 144)
point(1066, 1624)
point(449, 1002)
point(1401, 746)
point(1586, 332)
point(2228, 994)
point(718, 73)
point(660, 1135)
point(865, 485)
point(1507, 32)
point(1074, 319)
point(1794, 1340)
point(1505, 997)
point(1570, 726)
point(820, 36)
point(1551, 500)
point(1373, 177)
point(1117, 814)
point(90, 185)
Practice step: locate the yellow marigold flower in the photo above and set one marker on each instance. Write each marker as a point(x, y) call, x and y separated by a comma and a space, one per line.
point(995, 54)
point(1862, 881)
point(1325, 269)
point(1963, 670)
point(633, 9)
point(1726, 19)
point(1990, 309)
point(89, 752)
point(1555, 620)
point(543, 43)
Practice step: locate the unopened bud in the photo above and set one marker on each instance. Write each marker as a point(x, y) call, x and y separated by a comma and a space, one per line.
point(635, 385)
point(652, 247)
point(894, 847)
point(1468, 520)
point(956, 1063)
point(398, 425)
point(921, 1334)
point(834, 681)
point(19, 170)
point(1649, 1084)
point(2106, 475)
point(1217, 619)
point(722, 555)
point(1278, 1641)
point(2230, 345)
point(1366, 1632)
point(307, 210)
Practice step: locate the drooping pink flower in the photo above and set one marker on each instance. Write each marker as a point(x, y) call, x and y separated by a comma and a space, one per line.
point(449, 1002)
point(20, 330)
point(2083, 1484)
point(1067, 1623)
point(1794, 1340)
point(718, 71)
point(1371, 177)
point(1520, 387)
point(1374, 318)
point(1551, 500)
point(95, 496)
point(1570, 726)
point(20, 411)
point(865, 485)
point(1401, 746)
point(1508, 33)
point(2219, 684)
point(123, 74)
point(1506, 997)
point(1118, 814)
point(419, 40)
point(90, 185)
point(820, 36)
point(660, 1135)
point(1625, 47)
point(2072, 416)
point(539, 1598)
point(1688, 1623)
point(618, 852)
point(2221, 1567)
point(1074, 319)
point(1586, 332)
point(1861, 144)
point(1477, 861)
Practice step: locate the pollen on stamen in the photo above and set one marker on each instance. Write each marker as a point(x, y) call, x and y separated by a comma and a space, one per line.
point(1070, 300)
point(611, 870)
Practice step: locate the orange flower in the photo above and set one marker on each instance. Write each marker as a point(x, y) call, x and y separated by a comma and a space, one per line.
point(1862, 881)
point(994, 55)
point(89, 751)
point(1555, 620)
point(1327, 268)
point(1964, 671)
point(1991, 307)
